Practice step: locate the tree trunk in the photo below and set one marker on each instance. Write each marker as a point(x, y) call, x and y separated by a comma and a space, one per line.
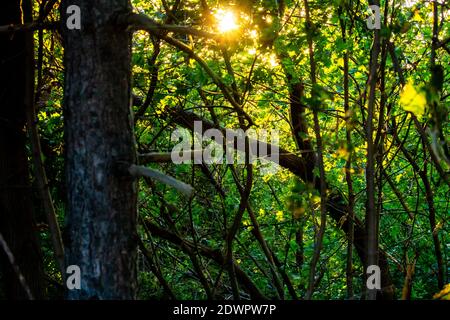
point(17, 223)
point(101, 225)
point(372, 218)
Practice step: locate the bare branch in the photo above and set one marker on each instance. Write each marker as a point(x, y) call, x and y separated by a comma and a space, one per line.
point(141, 171)
point(157, 29)
point(142, 22)
point(166, 157)
point(29, 27)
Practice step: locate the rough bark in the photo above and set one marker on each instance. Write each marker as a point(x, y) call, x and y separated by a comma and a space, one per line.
point(16, 208)
point(101, 224)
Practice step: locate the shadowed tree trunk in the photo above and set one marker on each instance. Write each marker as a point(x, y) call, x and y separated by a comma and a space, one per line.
point(101, 225)
point(17, 223)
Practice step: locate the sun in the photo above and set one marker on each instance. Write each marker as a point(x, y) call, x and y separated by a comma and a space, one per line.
point(226, 20)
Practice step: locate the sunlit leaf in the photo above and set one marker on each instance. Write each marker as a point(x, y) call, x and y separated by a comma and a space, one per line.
point(412, 100)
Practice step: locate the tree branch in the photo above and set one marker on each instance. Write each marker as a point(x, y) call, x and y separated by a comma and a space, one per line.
point(146, 23)
point(213, 254)
point(141, 171)
point(32, 26)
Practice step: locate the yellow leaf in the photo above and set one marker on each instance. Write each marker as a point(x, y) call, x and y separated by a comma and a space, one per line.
point(413, 101)
point(444, 294)
point(280, 216)
point(298, 212)
point(315, 199)
point(343, 152)
point(417, 16)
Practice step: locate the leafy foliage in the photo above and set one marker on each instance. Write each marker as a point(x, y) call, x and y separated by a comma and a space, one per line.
point(258, 61)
